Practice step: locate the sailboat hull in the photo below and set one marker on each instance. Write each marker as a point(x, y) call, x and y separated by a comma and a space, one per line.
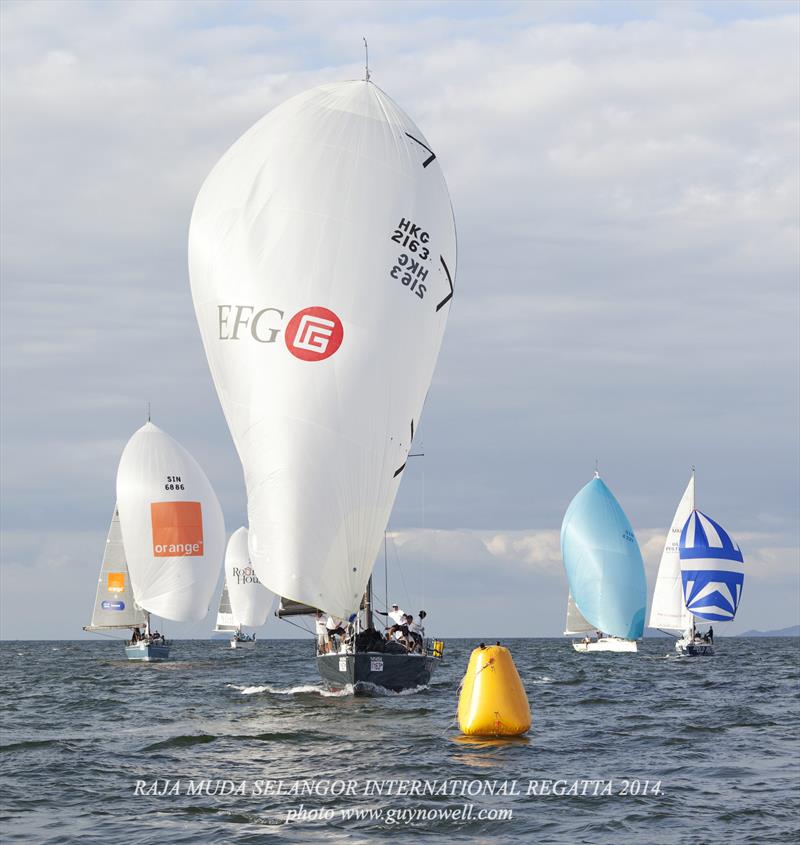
point(611, 644)
point(365, 671)
point(245, 644)
point(147, 652)
point(694, 648)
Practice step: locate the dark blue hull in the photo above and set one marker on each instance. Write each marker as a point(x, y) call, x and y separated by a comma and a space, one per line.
point(367, 670)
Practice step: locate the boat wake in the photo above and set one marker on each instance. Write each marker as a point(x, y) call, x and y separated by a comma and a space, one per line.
point(366, 688)
point(302, 689)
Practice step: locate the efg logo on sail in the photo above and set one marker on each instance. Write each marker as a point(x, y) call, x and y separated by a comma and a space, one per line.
point(313, 334)
point(177, 529)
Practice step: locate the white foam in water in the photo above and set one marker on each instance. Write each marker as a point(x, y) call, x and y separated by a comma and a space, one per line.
point(298, 690)
point(373, 689)
point(545, 679)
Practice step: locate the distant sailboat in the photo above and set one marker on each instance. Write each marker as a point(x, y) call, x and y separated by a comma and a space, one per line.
point(700, 567)
point(244, 600)
point(608, 589)
point(322, 254)
point(226, 622)
point(173, 532)
point(669, 612)
point(712, 573)
point(114, 604)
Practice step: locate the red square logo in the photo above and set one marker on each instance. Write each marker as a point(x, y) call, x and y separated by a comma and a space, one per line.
point(177, 529)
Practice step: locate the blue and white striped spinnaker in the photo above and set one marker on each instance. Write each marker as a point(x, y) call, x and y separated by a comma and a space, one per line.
point(712, 569)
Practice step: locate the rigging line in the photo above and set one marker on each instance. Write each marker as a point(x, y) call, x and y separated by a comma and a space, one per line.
point(385, 574)
point(110, 637)
point(289, 621)
point(423, 555)
point(402, 575)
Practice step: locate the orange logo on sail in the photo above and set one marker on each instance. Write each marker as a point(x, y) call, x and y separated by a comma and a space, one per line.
point(116, 582)
point(177, 529)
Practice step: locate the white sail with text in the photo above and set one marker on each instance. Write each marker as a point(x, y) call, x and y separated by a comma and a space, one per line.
point(669, 610)
point(114, 604)
point(172, 526)
point(322, 255)
point(249, 598)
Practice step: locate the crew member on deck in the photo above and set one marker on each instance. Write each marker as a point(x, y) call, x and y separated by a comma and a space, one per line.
point(417, 629)
point(323, 640)
point(335, 627)
point(395, 614)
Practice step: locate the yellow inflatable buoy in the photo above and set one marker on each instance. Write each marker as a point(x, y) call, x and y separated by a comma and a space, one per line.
point(493, 700)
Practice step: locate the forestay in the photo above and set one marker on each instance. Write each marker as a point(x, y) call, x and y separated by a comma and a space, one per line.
point(250, 600)
point(322, 254)
point(669, 609)
point(712, 569)
point(172, 526)
point(603, 562)
point(114, 605)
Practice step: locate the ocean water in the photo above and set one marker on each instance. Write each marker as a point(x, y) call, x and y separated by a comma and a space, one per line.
point(710, 747)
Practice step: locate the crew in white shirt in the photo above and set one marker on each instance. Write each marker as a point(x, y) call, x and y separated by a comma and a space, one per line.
point(323, 640)
point(396, 616)
point(417, 629)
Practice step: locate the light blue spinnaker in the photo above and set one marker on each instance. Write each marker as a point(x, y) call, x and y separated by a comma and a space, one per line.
point(603, 563)
point(712, 569)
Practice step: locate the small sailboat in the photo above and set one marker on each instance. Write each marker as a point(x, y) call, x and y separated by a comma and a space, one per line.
point(712, 575)
point(244, 600)
point(605, 571)
point(114, 605)
point(173, 533)
point(669, 612)
point(700, 576)
point(226, 623)
point(322, 253)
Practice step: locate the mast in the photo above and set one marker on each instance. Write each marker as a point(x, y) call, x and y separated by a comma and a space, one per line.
point(694, 507)
point(368, 605)
point(385, 575)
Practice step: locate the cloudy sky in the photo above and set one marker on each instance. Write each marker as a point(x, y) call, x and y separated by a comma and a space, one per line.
point(625, 183)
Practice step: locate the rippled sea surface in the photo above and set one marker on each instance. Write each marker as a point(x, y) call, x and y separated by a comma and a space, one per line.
point(81, 726)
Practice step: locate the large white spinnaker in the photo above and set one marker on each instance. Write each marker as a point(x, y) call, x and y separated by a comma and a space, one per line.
point(172, 526)
point(322, 253)
point(250, 600)
point(668, 611)
point(114, 605)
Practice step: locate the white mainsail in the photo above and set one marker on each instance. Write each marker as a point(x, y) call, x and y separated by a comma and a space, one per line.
point(226, 621)
point(172, 526)
point(668, 610)
point(576, 624)
point(114, 605)
point(250, 600)
point(322, 253)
